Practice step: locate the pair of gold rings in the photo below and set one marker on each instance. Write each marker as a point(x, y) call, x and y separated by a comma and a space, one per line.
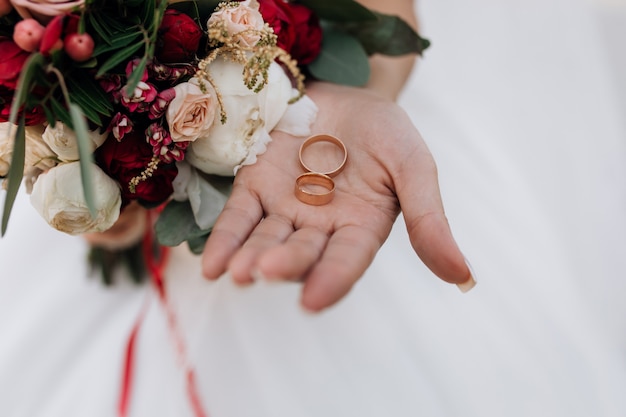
point(316, 186)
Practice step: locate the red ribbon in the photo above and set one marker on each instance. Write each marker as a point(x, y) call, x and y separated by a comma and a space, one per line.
point(156, 257)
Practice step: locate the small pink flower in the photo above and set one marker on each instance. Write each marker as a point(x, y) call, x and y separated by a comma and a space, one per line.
point(173, 74)
point(130, 67)
point(243, 21)
point(110, 83)
point(162, 145)
point(120, 126)
point(159, 105)
point(140, 98)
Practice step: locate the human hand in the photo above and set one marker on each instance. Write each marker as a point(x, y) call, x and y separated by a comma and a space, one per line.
point(265, 232)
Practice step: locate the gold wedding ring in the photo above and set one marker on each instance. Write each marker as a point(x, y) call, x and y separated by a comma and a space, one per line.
point(315, 188)
point(323, 138)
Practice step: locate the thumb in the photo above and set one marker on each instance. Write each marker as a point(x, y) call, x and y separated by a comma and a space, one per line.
point(418, 191)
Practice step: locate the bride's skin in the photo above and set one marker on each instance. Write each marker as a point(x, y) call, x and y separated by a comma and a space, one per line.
point(264, 232)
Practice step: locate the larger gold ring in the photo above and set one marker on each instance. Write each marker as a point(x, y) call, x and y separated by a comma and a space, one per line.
point(323, 138)
point(308, 195)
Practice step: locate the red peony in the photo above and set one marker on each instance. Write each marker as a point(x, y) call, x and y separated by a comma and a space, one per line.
point(178, 38)
point(297, 27)
point(12, 59)
point(126, 160)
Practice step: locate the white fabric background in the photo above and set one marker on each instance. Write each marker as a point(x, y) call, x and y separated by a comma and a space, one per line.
point(522, 104)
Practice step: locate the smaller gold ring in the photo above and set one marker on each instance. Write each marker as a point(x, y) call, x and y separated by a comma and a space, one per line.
point(324, 138)
point(314, 198)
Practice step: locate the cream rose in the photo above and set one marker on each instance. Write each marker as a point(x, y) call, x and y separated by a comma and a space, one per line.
point(58, 197)
point(192, 112)
point(39, 157)
point(6, 147)
point(250, 118)
point(243, 21)
point(44, 10)
point(62, 141)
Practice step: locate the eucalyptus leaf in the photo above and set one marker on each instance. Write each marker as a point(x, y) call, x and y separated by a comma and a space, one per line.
point(388, 35)
point(16, 172)
point(342, 60)
point(196, 245)
point(85, 148)
point(339, 10)
point(176, 224)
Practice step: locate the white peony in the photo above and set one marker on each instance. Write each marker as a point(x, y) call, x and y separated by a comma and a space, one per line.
point(250, 118)
point(62, 141)
point(58, 197)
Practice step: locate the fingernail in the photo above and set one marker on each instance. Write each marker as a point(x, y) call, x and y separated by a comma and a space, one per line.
point(471, 282)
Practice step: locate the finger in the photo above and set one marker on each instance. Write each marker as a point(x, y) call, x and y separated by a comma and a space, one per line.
point(240, 215)
point(292, 260)
point(349, 252)
point(272, 231)
point(420, 200)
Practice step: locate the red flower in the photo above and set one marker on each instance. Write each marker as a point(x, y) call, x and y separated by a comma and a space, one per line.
point(128, 159)
point(298, 29)
point(12, 59)
point(178, 38)
point(34, 116)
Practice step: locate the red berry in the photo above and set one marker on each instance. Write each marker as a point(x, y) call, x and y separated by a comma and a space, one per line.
point(27, 34)
point(79, 47)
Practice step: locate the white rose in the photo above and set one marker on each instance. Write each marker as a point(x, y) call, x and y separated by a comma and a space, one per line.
point(6, 147)
point(243, 22)
point(59, 199)
point(250, 118)
point(62, 141)
point(38, 154)
point(192, 112)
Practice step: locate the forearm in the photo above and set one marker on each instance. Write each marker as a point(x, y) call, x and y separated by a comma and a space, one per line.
point(389, 74)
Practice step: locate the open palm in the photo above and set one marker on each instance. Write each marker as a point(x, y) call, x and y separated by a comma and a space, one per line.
point(266, 232)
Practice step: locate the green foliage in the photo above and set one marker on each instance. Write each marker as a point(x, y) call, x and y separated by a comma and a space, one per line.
point(176, 224)
point(342, 60)
point(388, 35)
point(85, 156)
point(339, 10)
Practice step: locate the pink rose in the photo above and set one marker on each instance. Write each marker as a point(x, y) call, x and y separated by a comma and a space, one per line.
point(44, 10)
point(243, 21)
point(192, 112)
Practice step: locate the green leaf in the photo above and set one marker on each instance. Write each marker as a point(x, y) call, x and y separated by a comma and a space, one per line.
point(120, 56)
point(60, 112)
point(339, 10)
point(342, 60)
point(121, 40)
point(92, 100)
point(388, 35)
point(196, 245)
point(176, 224)
point(16, 172)
point(85, 155)
point(33, 63)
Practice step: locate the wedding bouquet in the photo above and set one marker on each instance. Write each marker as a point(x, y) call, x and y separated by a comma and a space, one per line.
point(108, 102)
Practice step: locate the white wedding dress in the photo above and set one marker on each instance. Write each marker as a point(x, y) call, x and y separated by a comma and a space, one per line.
point(522, 104)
